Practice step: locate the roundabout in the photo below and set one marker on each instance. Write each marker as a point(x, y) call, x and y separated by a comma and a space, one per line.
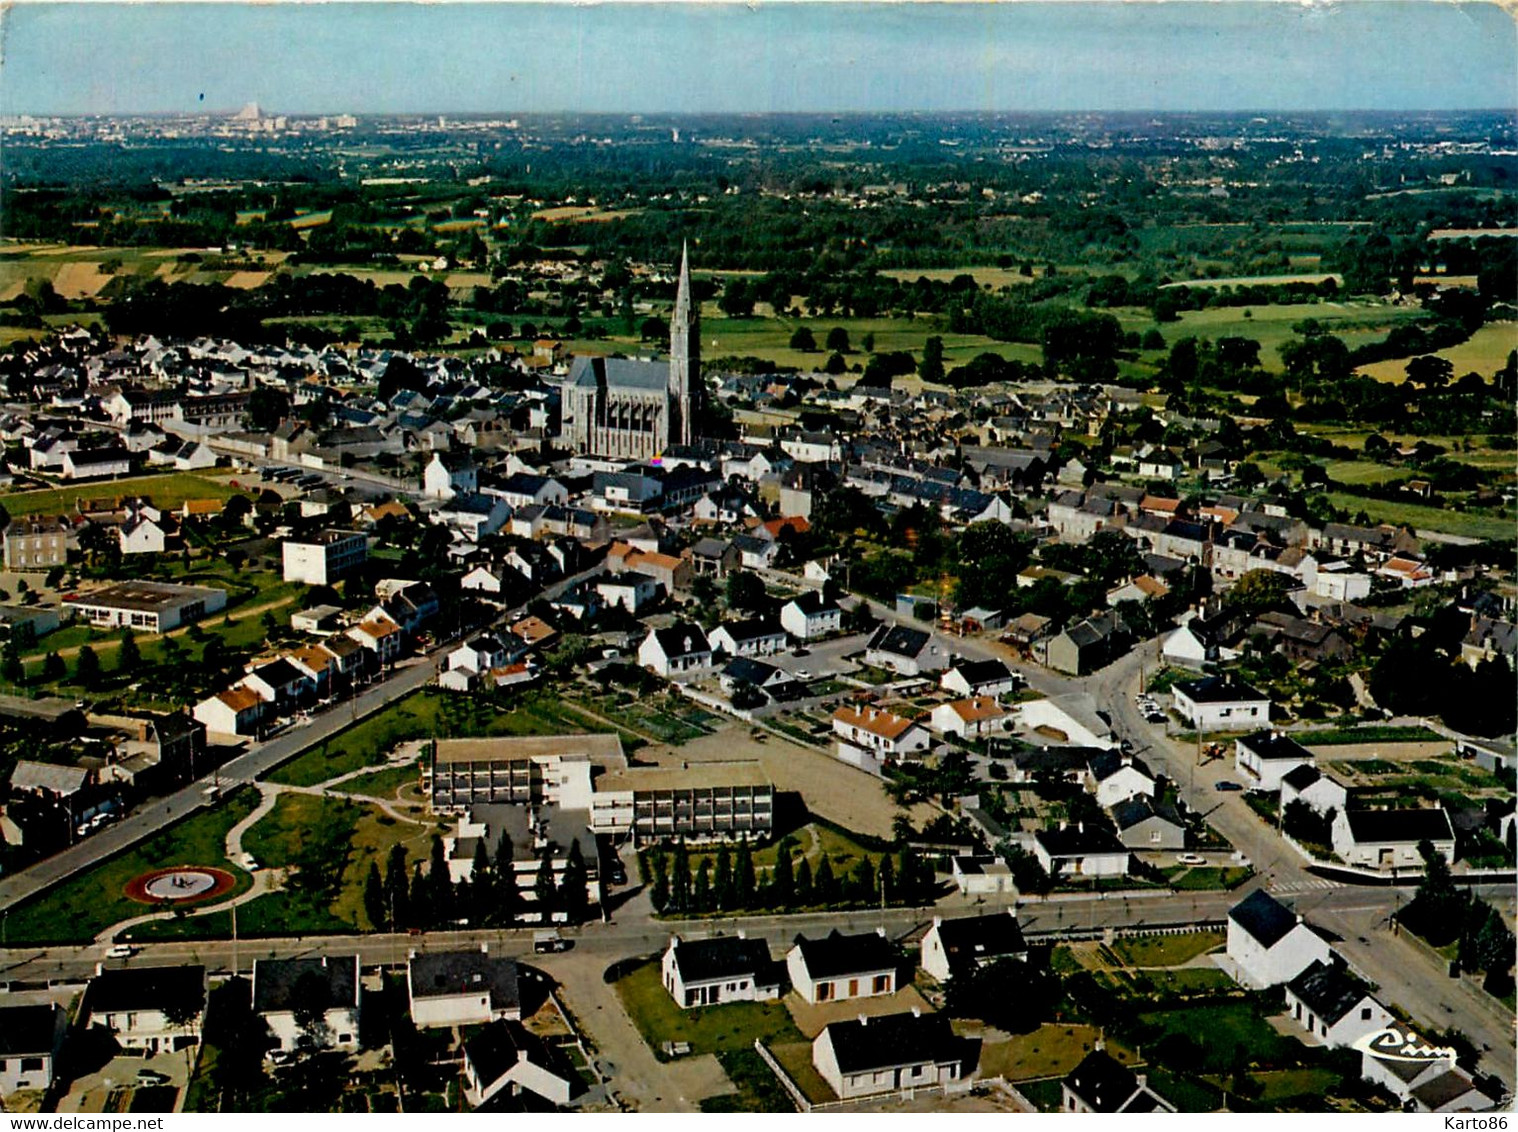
point(183, 884)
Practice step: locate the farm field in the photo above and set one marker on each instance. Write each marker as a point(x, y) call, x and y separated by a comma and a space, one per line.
point(1270, 324)
point(1485, 352)
point(1466, 524)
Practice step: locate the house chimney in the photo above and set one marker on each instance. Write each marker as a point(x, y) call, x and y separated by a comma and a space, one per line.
point(1301, 919)
point(916, 1012)
point(1080, 827)
point(880, 932)
point(864, 1019)
point(484, 949)
point(937, 920)
point(742, 933)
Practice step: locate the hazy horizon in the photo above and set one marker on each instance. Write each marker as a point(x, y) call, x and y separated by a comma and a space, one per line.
point(1233, 56)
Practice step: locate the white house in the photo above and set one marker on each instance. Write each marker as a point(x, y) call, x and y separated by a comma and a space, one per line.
point(865, 1056)
point(970, 718)
point(1387, 840)
point(753, 637)
point(505, 1056)
point(1269, 944)
point(906, 651)
point(1334, 1006)
point(839, 966)
point(679, 649)
point(630, 589)
point(1318, 791)
point(448, 474)
point(30, 1038)
point(149, 1009)
point(728, 968)
point(477, 656)
point(142, 536)
point(1221, 703)
point(1118, 777)
point(235, 711)
point(980, 678)
point(1264, 758)
point(462, 988)
point(959, 945)
point(1421, 1075)
point(1078, 850)
point(1075, 716)
point(810, 616)
point(1102, 1084)
point(880, 735)
point(330, 982)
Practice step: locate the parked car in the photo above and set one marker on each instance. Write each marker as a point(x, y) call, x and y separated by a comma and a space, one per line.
point(1226, 785)
point(152, 1077)
point(547, 942)
point(121, 951)
point(1191, 859)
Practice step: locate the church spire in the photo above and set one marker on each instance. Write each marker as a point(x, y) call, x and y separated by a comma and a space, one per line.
point(684, 356)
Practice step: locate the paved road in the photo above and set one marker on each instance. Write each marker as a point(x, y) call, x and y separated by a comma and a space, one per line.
point(158, 813)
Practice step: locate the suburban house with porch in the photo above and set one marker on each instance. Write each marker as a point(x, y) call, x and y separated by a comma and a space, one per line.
point(706, 972)
point(1269, 944)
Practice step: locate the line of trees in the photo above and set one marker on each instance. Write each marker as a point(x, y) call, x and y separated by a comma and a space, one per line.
point(728, 881)
point(423, 899)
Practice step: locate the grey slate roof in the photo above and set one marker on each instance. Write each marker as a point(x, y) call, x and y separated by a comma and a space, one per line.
point(1399, 825)
point(28, 1031)
point(1329, 992)
point(618, 373)
point(838, 954)
point(702, 960)
point(447, 973)
point(1264, 917)
point(1101, 1082)
point(276, 981)
point(891, 1040)
point(969, 940)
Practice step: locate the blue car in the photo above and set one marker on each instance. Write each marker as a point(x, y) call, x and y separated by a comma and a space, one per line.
point(1228, 786)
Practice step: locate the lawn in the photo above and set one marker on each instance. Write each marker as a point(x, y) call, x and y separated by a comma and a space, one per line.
point(758, 1091)
point(382, 783)
point(708, 1029)
point(1186, 1093)
point(1046, 1095)
point(81, 907)
point(813, 841)
point(1209, 878)
point(304, 830)
point(1188, 980)
point(1052, 1050)
point(1165, 950)
point(168, 490)
point(796, 1059)
point(1284, 1084)
point(1217, 1029)
point(429, 713)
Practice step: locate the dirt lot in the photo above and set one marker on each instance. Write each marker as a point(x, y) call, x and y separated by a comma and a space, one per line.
point(840, 793)
point(811, 1019)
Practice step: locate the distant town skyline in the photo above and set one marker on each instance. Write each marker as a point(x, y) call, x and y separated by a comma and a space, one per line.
point(688, 58)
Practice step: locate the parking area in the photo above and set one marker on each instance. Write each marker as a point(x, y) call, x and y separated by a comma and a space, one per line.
point(822, 660)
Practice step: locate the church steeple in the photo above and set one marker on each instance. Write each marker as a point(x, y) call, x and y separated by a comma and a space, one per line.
point(684, 357)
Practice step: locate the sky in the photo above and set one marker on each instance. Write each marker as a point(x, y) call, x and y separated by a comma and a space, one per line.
point(683, 57)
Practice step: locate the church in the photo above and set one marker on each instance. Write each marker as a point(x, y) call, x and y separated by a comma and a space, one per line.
point(634, 410)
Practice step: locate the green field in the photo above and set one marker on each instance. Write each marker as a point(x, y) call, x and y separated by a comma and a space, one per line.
point(1468, 524)
point(427, 714)
point(1218, 1029)
point(78, 909)
point(1357, 323)
point(168, 490)
point(1485, 352)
